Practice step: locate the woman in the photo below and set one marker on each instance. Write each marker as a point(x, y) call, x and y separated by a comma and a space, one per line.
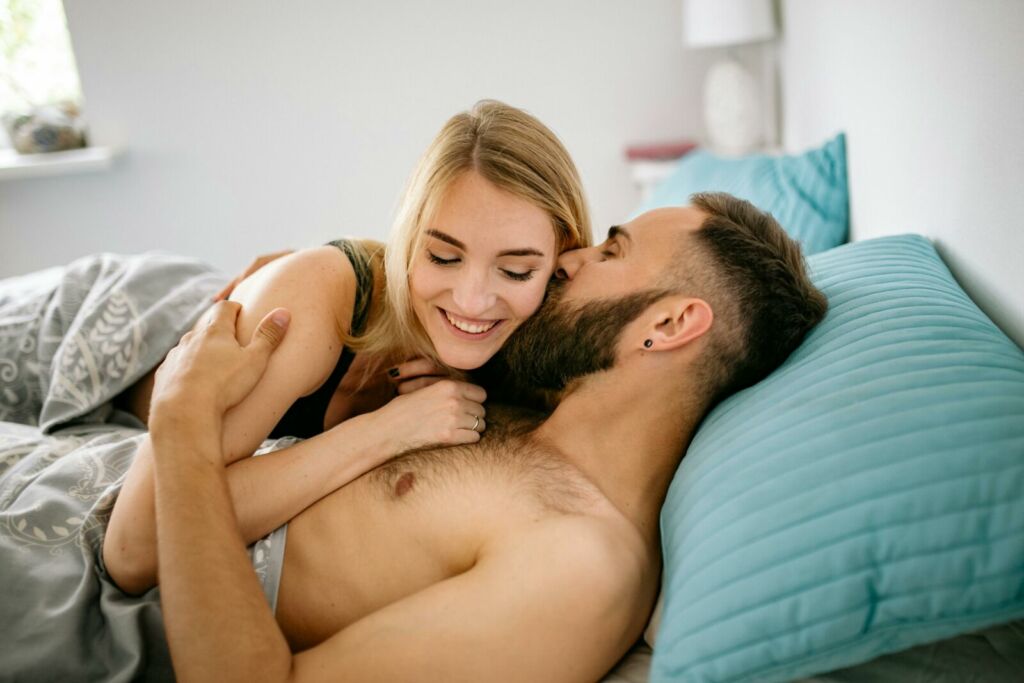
point(492, 203)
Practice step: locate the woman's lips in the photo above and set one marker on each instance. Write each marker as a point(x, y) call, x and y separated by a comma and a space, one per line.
point(467, 328)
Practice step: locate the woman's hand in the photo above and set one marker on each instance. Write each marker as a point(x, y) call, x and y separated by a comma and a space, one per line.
point(445, 413)
point(256, 264)
point(415, 374)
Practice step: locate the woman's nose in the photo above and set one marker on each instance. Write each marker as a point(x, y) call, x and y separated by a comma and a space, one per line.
point(472, 294)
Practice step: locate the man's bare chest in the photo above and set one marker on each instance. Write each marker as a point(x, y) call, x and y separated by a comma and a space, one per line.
point(418, 520)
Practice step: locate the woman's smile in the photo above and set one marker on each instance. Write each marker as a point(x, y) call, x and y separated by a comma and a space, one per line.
point(468, 328)
point(481, 271)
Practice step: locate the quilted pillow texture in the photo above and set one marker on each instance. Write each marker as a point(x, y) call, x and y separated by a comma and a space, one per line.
point(866, 497)
point(806, 193)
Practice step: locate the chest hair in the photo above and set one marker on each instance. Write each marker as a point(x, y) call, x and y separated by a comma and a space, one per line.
point(507, 457)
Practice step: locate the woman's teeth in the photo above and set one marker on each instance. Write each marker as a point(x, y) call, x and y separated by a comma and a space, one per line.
point(471, 328)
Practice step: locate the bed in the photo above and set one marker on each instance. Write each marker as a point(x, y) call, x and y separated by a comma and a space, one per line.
point(857, 516)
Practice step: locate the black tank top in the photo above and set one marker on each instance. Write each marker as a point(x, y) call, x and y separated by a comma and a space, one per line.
point(305, 418)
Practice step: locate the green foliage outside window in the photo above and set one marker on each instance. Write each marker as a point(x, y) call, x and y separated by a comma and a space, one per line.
point(37, 65)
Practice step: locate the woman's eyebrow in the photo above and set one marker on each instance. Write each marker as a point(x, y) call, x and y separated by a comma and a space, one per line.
point(521, 252)
point(444, 237)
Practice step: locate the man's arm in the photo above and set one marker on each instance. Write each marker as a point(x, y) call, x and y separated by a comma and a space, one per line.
point(209, 589)
point(304, 362)
point(209, 586)
point(556, 602)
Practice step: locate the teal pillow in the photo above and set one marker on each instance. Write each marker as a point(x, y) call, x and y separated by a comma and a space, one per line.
point(806, 193)
point(866, 497)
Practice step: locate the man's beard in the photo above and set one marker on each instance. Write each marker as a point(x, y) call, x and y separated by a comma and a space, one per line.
point(563, 342)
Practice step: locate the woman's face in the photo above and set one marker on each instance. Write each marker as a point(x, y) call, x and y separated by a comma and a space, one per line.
point(485, 262)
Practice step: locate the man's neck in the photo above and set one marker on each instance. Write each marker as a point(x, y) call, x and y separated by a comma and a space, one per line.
point(626, 431)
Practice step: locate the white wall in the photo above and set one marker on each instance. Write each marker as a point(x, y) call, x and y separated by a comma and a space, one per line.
point(931, 95)
point(252, 126)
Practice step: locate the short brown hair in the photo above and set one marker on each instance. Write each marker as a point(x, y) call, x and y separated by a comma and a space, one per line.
point(758, 287)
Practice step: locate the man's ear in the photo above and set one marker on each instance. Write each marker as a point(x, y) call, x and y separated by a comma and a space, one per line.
point(677, 321)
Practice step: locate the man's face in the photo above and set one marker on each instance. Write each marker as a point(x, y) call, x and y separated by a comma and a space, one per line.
point(633, 257)
point(600, 291)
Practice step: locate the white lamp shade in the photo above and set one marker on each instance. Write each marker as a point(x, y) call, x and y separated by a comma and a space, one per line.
point(707, 23)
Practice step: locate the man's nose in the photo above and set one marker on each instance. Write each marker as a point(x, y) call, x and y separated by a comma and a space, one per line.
point(570, 262)
point(472, 294)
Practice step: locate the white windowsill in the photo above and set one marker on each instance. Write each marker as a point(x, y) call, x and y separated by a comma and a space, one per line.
point(14, 165)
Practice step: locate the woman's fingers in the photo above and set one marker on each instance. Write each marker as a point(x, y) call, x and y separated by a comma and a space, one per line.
point(418, 367)
point(473, 392)
point(412, 385)
point(475, 423)
point(473, 408)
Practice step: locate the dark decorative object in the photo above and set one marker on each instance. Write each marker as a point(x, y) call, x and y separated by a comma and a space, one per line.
point(50, 128)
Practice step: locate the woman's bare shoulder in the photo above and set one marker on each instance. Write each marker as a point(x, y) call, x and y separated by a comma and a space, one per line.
point(319, 280)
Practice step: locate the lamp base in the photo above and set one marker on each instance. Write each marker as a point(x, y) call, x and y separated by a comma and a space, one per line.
point(733, 114)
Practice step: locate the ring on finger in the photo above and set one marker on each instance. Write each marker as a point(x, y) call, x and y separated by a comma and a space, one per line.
point(476, 422)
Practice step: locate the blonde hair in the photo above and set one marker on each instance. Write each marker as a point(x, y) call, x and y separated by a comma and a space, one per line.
point(509, 148)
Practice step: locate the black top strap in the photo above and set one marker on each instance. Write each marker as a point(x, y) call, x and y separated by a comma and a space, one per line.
point(305, 417)
point(360, 261)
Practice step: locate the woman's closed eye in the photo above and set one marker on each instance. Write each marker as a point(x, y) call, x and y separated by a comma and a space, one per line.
point(442, 261)
point(516, 275)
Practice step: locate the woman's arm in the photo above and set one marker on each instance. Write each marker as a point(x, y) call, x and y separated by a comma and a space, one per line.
point(266, 492)
point(318, 287)
point(272, 489)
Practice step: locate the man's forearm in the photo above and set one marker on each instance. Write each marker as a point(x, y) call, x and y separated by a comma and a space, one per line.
point(207, 579)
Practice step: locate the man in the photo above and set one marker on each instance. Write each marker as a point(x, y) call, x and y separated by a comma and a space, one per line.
point(532, 555)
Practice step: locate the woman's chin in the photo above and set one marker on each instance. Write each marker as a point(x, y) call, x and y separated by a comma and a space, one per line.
point(464, 362)
point(465, 358)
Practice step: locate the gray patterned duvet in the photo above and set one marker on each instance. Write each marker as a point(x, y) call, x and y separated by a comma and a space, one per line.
point(61, 618)
point(71, 339)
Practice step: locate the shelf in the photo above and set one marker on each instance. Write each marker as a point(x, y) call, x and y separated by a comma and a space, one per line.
point(15, 166)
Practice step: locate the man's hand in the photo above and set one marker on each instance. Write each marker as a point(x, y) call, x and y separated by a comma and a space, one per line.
point(209, 371)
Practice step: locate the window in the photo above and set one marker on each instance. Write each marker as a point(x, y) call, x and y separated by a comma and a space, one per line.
point(37, 66)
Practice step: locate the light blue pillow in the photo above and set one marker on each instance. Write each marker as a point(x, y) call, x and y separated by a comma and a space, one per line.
point(806, 193)
point(866, 497)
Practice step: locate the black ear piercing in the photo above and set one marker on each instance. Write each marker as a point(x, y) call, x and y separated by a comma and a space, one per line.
point(648, 343)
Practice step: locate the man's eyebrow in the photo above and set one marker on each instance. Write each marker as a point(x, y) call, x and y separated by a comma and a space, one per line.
point(617, 230)
point(444, 237)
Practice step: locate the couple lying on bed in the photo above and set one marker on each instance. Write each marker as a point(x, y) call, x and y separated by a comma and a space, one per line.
point(425, 540)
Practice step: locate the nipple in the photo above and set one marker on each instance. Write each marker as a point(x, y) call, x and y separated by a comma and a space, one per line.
point(404, 484)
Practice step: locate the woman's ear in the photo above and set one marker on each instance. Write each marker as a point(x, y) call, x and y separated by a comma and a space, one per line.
point(677, 322)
